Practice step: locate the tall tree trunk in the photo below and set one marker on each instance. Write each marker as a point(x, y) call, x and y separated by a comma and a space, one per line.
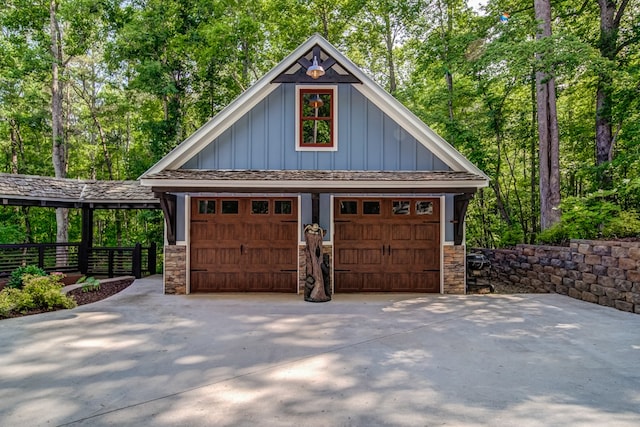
point(16, 145)
point(496, 123)
point(324, 17)
point(533, 179)
point(59, 145)
point(94, 115)
point(608, 45)
point(389, 41)
point(449, 79)
point(548, 139)
point(446, 44)
point(57, 130)
point(89, 95)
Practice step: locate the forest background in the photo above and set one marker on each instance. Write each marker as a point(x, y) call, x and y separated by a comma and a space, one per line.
point(102, 89)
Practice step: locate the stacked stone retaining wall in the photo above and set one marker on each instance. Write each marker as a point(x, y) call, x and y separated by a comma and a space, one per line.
point(601, 272)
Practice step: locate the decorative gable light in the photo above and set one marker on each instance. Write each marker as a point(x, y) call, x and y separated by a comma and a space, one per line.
point(315, 70)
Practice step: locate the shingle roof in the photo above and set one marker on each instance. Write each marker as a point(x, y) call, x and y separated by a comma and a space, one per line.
point(312, 175)
point(50, 191)
point(313, 180)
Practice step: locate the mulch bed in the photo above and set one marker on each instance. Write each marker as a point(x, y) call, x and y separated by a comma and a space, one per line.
point(106, 290)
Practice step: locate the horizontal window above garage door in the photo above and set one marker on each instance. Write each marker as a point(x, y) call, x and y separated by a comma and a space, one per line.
point(205, 208)
point(423, 209)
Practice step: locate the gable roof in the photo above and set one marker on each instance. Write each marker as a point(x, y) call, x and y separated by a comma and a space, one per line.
point(264, 86)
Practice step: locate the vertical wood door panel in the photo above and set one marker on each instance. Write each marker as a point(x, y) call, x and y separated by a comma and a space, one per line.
point(387, 244)
point(244, 246)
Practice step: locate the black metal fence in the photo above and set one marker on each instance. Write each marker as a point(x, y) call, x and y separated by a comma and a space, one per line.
point(66, 257)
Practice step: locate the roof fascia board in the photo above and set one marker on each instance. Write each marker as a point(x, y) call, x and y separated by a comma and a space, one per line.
point(52, 202)
point(212, 184)
point(81, 201)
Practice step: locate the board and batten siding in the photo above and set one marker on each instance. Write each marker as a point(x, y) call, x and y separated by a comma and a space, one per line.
point(264, 139)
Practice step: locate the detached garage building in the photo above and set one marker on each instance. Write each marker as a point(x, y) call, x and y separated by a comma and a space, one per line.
point(314, 141)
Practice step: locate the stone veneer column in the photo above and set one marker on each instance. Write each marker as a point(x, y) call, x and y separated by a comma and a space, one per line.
point(175, 269)
point(454, 269)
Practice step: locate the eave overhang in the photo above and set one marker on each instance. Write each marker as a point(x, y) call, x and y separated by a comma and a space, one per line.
point(314, 181)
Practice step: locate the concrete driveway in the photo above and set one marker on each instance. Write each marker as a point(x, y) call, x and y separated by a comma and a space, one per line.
point(144, 359)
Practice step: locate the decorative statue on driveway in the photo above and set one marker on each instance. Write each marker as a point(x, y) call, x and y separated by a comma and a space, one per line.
point(316, 287)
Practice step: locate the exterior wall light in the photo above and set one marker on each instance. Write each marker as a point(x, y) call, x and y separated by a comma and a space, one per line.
point(315, 70)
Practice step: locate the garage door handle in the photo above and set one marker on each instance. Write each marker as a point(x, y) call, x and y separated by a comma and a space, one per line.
point(340, 271)
point(289, 271)
point(241, 249)
point(389, 249)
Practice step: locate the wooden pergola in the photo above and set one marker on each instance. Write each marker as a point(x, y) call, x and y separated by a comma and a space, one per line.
point(88, 195)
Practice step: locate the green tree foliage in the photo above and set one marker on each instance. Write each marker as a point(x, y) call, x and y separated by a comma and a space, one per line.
point(140, 76)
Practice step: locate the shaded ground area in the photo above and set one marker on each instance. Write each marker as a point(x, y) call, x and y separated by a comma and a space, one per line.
point(503, 288)
point(485, 287)
point(143, 358)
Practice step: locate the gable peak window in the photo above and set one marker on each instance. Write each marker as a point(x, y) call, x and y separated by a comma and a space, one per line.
point(316, 118)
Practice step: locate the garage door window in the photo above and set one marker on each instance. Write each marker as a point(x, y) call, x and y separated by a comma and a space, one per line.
point(349, 207)
point(282, 207)
point(424, 208)
point(401, 207)
point(229, 206)
point(371, 208)
point(260, 207)
point(206, 207)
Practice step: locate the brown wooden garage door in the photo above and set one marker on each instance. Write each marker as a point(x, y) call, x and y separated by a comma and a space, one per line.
point(387, 245)
point(244, 245)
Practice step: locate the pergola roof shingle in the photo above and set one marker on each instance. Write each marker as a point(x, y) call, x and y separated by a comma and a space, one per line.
point(31, 190)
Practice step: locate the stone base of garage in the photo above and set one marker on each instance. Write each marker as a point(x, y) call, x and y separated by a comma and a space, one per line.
point(454, 272)
point(175, 268)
